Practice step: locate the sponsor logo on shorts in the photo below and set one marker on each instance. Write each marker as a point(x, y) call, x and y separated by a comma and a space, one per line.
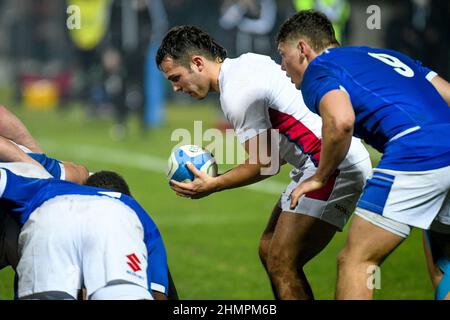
point(134, 262)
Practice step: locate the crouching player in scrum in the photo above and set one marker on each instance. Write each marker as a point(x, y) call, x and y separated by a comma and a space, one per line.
point(68, 228)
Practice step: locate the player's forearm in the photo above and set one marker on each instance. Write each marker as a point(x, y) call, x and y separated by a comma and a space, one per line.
point(12, 128)
point(242, 175)
point(336, 140)
point(10, 152)
point(338, 119)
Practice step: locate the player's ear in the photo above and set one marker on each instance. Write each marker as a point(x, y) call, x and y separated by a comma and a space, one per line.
point(304, 48)
point(198, 62)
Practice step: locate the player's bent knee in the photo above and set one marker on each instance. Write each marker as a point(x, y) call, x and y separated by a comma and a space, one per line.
point(343, 258)
point(278, 265)
point(126, 291)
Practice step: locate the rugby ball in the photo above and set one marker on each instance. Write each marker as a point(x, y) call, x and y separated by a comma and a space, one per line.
point(201, 158)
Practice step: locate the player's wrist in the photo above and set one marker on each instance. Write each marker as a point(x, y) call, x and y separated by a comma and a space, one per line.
point(217, 184)
point(320, 178)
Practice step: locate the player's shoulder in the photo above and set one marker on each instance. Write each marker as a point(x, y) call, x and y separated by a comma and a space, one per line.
point(250, 62)
point(142, 214)
point(245, 77)
point(350, 54)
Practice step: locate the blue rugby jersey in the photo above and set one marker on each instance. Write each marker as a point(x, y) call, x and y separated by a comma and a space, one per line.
point(52, 165)
point(398, 111)
point(21, 196)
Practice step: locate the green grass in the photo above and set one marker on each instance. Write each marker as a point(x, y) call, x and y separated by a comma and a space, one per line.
point(212, 243)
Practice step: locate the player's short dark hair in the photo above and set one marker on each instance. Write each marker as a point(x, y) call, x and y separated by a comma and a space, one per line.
point(182, 42)
point(109, 180)
point(313, 25)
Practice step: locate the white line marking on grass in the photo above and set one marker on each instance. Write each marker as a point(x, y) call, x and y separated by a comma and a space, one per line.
point(137, 160)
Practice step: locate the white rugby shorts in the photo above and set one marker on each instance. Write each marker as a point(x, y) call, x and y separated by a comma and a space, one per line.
point(414, 199)
point(336, 201)
point(73, 241)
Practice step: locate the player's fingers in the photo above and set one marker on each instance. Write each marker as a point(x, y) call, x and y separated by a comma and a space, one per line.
point(183, 191)
point(194, 169)
point(181, 185)
point(295, 195)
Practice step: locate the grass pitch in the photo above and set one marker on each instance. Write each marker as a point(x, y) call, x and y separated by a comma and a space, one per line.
point(212, 243)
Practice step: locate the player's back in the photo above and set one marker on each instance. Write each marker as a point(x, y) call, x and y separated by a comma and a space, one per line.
point(392, 97)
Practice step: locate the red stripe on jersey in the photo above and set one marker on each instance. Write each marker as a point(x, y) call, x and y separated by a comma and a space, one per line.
point(297, 132)
point(324, 193)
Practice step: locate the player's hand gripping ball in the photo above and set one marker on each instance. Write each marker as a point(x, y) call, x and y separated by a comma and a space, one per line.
point(201, 158)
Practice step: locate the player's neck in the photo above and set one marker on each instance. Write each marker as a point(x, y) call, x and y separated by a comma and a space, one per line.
point(314, 54)
point(215, 73)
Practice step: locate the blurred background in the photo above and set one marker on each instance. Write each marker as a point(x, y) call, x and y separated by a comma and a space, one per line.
point(81, 75)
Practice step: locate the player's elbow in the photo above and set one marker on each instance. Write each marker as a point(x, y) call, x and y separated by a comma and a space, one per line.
point(344, 124)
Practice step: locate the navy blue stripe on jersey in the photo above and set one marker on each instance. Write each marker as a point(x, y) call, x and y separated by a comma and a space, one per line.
point(376, 192)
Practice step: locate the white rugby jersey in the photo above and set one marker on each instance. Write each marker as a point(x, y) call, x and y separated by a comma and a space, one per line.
point(255, 95)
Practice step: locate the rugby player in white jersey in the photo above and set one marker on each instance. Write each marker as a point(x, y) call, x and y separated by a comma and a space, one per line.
point(256, 96)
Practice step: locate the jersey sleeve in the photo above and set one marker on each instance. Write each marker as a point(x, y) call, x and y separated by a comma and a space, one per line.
point(53, 166)
point(158, 271)
point(318, 80)
point(16, 191)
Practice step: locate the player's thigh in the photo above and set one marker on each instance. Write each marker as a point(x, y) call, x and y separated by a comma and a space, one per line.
point(369, 242)
point(298, 238)
point(272, 222)
point(113, 247)
point(266, 237)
